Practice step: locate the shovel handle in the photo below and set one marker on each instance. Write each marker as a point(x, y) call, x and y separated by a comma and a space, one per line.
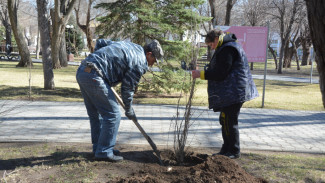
point(152, 144)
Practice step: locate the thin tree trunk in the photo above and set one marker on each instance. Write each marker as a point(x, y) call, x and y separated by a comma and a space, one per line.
point(285, 34)
point(288, 53)
point(58, 27)
point(86, 28)
point(295, 54)
point(274, 56)
point(305, 43)
point(90, 42)
point(214, 13)
point(43, 25)
point(38, 46)
point(230, 4)
point(316, 17)
point(8, 37)
point(6, 23)
point(63, 52)
point(25, 59)
point(280, 65)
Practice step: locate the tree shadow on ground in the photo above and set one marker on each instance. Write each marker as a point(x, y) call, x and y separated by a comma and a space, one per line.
point(37, 93)
point(70, 157)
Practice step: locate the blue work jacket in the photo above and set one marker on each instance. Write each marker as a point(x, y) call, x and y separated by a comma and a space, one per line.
point(120, 62)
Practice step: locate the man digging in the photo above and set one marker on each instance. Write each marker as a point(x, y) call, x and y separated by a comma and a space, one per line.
point(111, 63)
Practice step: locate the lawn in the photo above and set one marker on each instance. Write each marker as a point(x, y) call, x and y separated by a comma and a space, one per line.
point(72, 162)
point(25, 83)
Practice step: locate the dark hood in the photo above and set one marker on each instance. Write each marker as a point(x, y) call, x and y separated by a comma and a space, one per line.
point(229, 38)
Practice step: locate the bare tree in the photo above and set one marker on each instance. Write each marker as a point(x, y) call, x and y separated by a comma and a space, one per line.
point(298, 37)
point(59, 22)
point(316, 17)
point(305, 37)
point(216, 13)
point(273, 54)
point(285, 12)
point(290, 51)
point(86, 27)
point(5, 22)
point(230, 5)
point(28, 14)
point(254, 13)
point(20, 40)
point(43, 24)
point(38, 44)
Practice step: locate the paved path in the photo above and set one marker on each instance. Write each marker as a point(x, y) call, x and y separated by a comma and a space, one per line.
point(313, 80)
point(260, 129)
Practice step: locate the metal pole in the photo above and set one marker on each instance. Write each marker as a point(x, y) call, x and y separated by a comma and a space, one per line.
point(265, 66)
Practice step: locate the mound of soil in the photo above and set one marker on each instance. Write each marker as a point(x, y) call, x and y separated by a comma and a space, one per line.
point(196, 168)
point(55, 162)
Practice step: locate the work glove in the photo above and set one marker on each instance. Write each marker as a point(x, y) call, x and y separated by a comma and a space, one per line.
point(195, 74)
point(130, 113)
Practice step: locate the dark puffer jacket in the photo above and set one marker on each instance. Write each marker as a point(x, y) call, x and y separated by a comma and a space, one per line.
point(232, 81)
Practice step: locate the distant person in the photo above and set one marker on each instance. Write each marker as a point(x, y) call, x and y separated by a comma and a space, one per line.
point(230, 84)
point(8, 49)
point(111, 63)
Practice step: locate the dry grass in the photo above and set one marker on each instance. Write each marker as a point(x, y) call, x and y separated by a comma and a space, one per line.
point(278, 95)
point(70, 162)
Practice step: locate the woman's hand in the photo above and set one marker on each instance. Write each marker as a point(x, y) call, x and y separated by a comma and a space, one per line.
point(195, 74)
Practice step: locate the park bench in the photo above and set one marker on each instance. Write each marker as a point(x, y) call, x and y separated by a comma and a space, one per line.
point(9, 52)
point(10, 56)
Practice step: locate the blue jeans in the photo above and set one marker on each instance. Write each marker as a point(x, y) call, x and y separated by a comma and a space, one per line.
point(103, 111)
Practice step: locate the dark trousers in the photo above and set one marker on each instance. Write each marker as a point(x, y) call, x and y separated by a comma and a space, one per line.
point(229, 121)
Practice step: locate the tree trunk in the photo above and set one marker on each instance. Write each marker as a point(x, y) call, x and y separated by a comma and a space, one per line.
point(280, 65)
point(25, 59)
point(6, 23)
point(230, 4)
point(55, 39)
point(90, 42)
point(305, 43)
point(8, 37)
point(29, 40)
point(86, 28)
point(316, 17)
point(58, 27)
point(63, 52)
point(284, 30)
point(43, 25)
point(214, 13)
point(274, 56)
point(288, 54)
point(38, 46)
point(294, 48)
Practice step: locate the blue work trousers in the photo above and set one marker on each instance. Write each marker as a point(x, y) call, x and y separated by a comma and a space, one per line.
point(103, 111)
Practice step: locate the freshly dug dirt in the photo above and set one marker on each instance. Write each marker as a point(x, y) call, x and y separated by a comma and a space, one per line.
point(69, 162)
point(196, 168)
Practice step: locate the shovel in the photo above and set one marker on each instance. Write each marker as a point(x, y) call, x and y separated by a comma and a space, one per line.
point(152, 144)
